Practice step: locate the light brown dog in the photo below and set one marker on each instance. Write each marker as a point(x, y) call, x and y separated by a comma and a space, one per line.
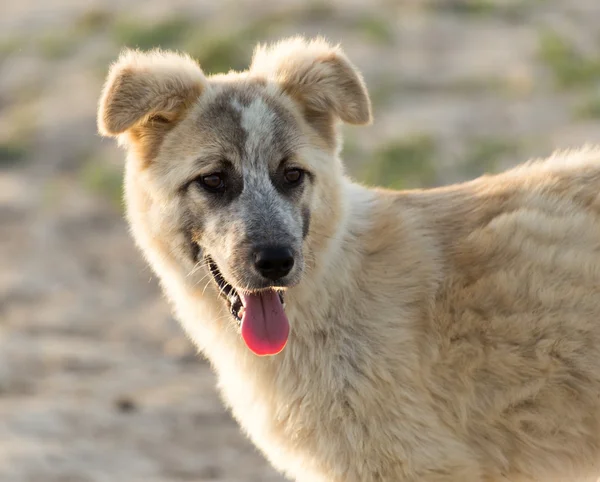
point(434, 335)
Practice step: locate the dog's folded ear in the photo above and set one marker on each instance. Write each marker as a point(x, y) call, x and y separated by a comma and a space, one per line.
point(142, 86)
point(318, 76)
point(146, 93)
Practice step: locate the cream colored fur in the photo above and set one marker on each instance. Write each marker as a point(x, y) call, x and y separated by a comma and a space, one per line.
point(444, 335)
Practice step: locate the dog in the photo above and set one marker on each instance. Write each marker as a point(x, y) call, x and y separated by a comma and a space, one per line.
point(363, 335)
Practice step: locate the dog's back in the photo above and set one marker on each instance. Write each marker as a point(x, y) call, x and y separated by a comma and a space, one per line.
point(513, 341)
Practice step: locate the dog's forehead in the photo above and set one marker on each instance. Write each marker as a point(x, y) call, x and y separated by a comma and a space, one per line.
point(251, 123)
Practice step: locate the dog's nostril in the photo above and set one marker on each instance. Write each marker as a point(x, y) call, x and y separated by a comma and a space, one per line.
point(274, 262)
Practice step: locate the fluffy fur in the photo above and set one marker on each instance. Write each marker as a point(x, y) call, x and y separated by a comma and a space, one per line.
point(444, 335)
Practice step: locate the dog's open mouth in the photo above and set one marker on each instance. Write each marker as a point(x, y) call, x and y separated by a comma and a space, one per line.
point(264, 324)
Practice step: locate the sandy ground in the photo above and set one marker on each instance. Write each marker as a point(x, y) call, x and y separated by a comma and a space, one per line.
point(97, 381)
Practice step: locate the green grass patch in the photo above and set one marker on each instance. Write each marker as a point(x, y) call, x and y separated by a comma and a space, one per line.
point(104, 180)
point(516, 10)
point(484, 154)
point(216, 51)
point(13, 152)
point(222, 52)
point(9, 46)
point(589, 108)
point(382, 90)
point(469, 85)
point(570, 68)
point(350, 148)
point(219, 54)
point(57, 45)
point(466, 7)
point(352, 152)
point(61, 43)
point(403, 163)
point(93, 21)
point(168, 33)
point(317, 10)
point(375, 29)
point(17, 143)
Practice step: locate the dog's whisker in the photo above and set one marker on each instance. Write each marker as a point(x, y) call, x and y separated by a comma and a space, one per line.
point(198, 266)
point(207, 275)
point(206, 286)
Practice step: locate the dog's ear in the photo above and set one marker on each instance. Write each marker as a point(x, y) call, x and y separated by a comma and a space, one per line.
point(146, 94)
point(319, 77)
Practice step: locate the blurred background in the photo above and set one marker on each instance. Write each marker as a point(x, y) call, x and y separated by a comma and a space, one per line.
point(97, 381)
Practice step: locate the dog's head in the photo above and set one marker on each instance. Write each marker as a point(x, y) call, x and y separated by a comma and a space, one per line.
point(231, 176)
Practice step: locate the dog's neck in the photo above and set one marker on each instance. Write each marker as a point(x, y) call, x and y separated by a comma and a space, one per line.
point(372, 224)
point(335, 258)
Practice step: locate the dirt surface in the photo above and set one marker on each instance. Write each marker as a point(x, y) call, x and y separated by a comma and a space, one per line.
point(97, 381)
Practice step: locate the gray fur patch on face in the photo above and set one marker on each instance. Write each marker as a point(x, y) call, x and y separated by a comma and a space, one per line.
point(257, 121)
point(221, 124)
point(250, 134)
point(270, 217)
point(305, 221)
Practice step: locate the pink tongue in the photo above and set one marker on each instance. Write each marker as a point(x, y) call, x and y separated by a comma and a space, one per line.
point(265, 327)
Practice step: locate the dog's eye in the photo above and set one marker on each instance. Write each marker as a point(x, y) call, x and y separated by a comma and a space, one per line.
point(213, 182)
point(158, 119)
point(293, 176)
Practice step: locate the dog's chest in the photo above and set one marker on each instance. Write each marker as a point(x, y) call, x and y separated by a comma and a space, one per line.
point(321, 403)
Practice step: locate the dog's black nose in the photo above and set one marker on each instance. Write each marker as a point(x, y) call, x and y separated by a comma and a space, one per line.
point(273, 262)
